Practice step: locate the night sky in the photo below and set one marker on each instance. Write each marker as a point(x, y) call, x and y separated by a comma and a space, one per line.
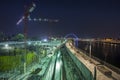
point(85, 18)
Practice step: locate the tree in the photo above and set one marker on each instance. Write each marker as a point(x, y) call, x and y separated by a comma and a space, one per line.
point(18, 37)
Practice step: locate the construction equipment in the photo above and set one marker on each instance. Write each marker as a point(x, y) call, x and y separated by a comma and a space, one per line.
point(26, 17)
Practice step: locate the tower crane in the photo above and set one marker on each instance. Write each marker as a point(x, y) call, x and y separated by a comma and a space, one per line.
point(26, 17)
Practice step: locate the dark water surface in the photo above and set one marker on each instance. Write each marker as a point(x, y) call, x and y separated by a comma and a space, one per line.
point(108, 52)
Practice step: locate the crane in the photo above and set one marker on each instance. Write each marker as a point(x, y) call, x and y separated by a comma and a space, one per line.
point(26, 17)
point(27, 13)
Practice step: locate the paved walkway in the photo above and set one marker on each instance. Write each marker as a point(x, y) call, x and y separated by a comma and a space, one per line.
point(90, 66)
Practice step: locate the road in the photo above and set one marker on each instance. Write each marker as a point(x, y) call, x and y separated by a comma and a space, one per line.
point(56, 66)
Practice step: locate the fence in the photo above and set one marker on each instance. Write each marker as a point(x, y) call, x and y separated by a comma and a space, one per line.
point(84, 70)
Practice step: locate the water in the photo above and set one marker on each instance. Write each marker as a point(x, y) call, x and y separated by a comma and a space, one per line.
point(108, 52)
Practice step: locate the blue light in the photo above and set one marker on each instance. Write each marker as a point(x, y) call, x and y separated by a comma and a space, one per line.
point(45, 40)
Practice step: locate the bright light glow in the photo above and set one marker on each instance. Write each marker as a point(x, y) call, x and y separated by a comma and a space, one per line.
point(40, 19)
point(55, 39)
point(58, 64)
point(29, 19)
point(6, 45)
point(35, 19)
point(29, 43)
point(32, 8)
point(34, 5)
point(45, 40)
point(20, 20)
point(58, 55)
point(45, 19)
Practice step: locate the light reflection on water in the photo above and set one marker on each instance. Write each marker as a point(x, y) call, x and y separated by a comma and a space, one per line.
point(108, 52)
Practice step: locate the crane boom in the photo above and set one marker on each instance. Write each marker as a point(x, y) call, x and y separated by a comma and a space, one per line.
point(27, 13)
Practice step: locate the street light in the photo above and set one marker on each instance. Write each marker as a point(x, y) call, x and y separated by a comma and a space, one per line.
point(45, 40)
point(90, 49)
point(6, 45)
